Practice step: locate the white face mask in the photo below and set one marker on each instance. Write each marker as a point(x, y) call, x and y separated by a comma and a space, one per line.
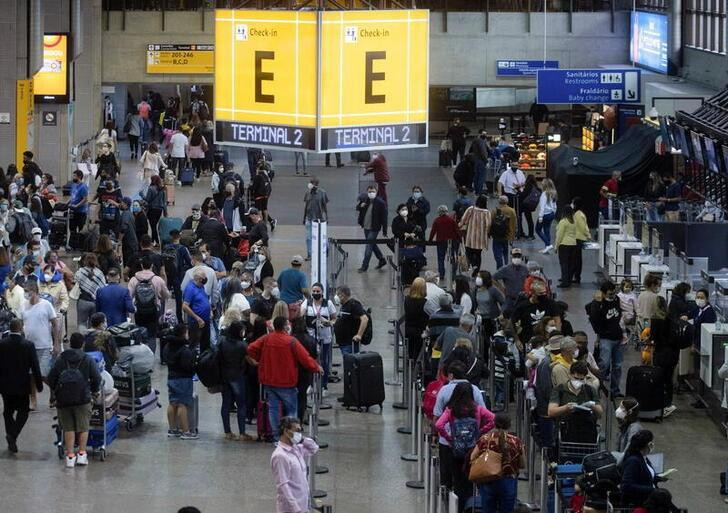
point(576, 353)
point(516, 261)
point(337, 300)
point(620, 413)
point(275, 292)
point(371, 195)
point(310, 186)
point(48, 277)
point(297, 438)
point(205, 256)
point(196, 214)
point(534, 273)
point(577, 384)
point(403, 212)
point(550, 329)
point(700, 302)
point(245, 284)
point(262, 257)
point(36, 237)
point(478, 281)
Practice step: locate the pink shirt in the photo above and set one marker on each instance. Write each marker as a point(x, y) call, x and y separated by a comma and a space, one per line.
point(483, 416)
point(157, 282)
point(288, 464)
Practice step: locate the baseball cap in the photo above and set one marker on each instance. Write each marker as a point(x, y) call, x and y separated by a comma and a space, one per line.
point(252, 211)
point(297, 260)
point(36, 230)
point(516, 252)
point(196, 206)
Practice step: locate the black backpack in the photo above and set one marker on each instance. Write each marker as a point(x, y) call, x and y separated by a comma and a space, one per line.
point(72, 388)
point(145, 298)
point(683, 334)
point(499, 226)
point(20, 227)
point(171, 262)
point(209, 368)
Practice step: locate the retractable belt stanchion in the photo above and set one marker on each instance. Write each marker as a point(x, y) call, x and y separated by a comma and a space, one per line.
point(395, 379)
point(434, 480)
point(544, 478)
point(416, 422)
point(609, 422)
point(532, 471)
point(491, 378)
point(424, 456)
point(407, 383)
point(312, 460)
point(394, 267)
point(520, 418)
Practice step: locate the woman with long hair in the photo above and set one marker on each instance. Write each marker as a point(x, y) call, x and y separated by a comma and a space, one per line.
point(490, 301)
point(546, 212)
point(415, 317)
point(461, 413)
point(627, 414)
point(264, 269)
point(582, 235)
point(638, 476)
point(196, 150)
point(233, 349)
point(156, 199)
point(566, 245)
point(320, 315)
point(500, 495)
point(234, 304)
point(461, 293)
point(90, 279)
point(476, 223)
point(5, 268)
point(528, 188)
point(105, 254)
point(151, 161)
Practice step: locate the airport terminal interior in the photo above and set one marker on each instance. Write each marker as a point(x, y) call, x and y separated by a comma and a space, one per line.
point(474, 252)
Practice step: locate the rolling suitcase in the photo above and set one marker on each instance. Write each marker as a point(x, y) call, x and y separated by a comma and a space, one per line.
point(170, 194)
point(187, 176)
point(166, 225)
point(363, 380)
point(646, 384)
point(262, 423)
point(58, 234)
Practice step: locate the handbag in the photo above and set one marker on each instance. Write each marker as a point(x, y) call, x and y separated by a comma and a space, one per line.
point(486, 466)
point(244, 248)
point(75, 292)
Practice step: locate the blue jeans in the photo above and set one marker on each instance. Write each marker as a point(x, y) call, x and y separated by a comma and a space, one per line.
point(285, 399)
point(371, 235)
point(233, 393)
point(611, 354)
point(326, 363)
point(499, 496)
point(500, 252)
point(479, 177)
point(349, 349)
point(543, 228)
point(442, 251)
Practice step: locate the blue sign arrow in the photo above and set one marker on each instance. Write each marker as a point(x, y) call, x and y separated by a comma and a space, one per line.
point(514, 68)
point(588, 85)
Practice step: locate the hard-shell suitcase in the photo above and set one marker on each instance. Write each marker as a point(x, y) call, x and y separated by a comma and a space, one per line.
point(363, 380)
point(166, 225)
point(646, 384)
point(142, 405)
point(170, 194)
point(187, 176)
point(444, 158)
point(262, 423)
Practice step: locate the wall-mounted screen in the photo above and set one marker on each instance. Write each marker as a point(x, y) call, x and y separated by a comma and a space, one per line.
point(649, 40)
point(697, 148)
point(50, 84)
point(711, 156)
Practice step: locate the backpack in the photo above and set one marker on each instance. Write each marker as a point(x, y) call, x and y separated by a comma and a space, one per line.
point(683, 334)
point(430, 398)
point(145, 298)
point(72, 388)
point(530, 202)
point(22, 231)
point(170, 257)
point(366, 337)
point(465, 434)
point(499, 226)
point(208, 367)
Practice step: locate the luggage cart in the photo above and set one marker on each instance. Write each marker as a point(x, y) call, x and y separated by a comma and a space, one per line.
point(574, 452)
point(60, 222)
point(133, 408)
point(98, 439)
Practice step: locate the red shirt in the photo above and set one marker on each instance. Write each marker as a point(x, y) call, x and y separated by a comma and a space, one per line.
point(612, 187)
point(279, 354)
point(444, 228)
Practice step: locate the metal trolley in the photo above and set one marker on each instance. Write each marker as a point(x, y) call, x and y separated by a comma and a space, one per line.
point(131, 407)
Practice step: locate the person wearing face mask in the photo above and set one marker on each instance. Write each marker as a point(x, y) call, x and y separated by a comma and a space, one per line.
point(639, 478)
point(156, 199)
point(262, 309)
point(351, 321)
point(214, 262)
point(52, 287)
point(403, 227)
point(263, 267)
point(212, 289)
point(196, 304)
point(705, 314)
point(671, 199)
point(246, 281)
point(490, 301)
point(380, 169)
point(78, 203)
point(314, 208)
point(320, 316)
point(511, 278)
point(141, 222)
point(372, 217)
point(260, 191)
point(479, 150)
point(4, 216)
point(31, 171)
point(418, 207)
point(574, 396)
point(213, 233)
point(445, 231)
point(582, 342)
point(605, 315)
point(39, 244)
point(193, 220)
point(627, 415)
point(114, 300)
point(126, 233)
point(609, 192)
point(476, 223)
point(106, 160)
point(502, 230)
point(231, 206)
point(288, 464)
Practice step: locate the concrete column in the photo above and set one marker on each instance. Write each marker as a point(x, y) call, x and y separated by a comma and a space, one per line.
point(10, 64)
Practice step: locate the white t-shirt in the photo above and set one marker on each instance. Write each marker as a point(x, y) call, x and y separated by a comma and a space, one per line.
point(511, 180)
point(179, 143)
point(37, 324)
point(238, 302)
point(325, 312)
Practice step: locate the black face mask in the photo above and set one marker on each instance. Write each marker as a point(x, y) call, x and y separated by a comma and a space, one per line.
point(316, 296)
point(204, 280)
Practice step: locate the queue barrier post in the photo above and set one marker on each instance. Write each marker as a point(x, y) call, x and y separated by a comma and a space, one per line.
point(407, 394)
point(424, 456)
point(532, 469)
point(416, 423)
point(434, 492)
point(395, 379)
point(491, 378)
point(544, 478)
point(520, 400)
point(609, 422)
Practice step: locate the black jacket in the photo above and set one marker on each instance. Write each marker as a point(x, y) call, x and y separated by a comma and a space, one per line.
point(400, 226)
point(232, 358)
point(180, 359)
point(265, 271)
point(214, 233)
point(73, 358)
point(419, 216)
point(680, 306)
point(604, 316)
point(637, 481)
point(464, 173)
point(258, 232)
point(379, 211)
point(415, 317)
point(18, 360)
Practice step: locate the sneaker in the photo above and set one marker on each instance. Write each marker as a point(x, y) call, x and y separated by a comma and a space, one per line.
point(244, 438)
point(230, 436)
point(190, 436)
point(546, 250)
point(12, 445)
point(174, 433)
point(669, 410)
point(70, 461)
point(82, 458)
point(325, 392)
point(381, 264)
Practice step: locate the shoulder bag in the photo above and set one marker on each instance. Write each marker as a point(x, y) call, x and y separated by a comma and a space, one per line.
point(485, 466)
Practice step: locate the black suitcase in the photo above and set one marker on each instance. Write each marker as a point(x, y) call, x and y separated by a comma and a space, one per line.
point(444, 158)
point(363, 380)
point(646, 384)
point(77, 241)
point(58, 233)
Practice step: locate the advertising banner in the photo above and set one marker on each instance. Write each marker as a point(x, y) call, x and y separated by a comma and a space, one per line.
point(51, 82)
point(649, 40)
point(24, 118)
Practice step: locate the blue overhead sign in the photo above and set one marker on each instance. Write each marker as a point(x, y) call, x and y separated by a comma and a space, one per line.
point(513, 68)
point(588, 85)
